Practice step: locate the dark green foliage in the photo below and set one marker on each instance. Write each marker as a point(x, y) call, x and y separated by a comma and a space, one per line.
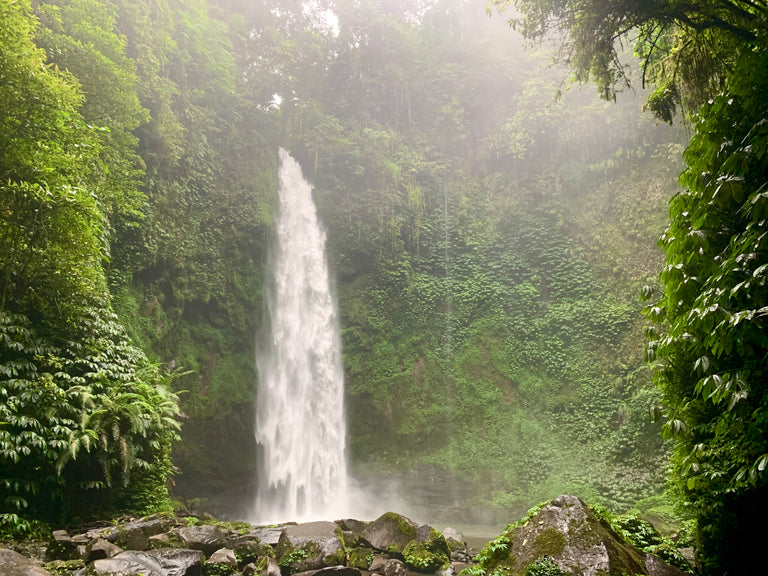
point(710, 345)
point(544, 567)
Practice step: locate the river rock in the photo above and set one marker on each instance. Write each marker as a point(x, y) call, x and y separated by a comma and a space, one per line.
point(62, 546)
point(166, 562)
point(99, 549)
point(207, 538)
point(222, 560)
point(248, 548)
point(271, 568)
point(310, 546)
point(390, 533)
point(378, 564)
point(338, 571)
point(566, 532)
point(394, 567)
point(269, 536)
point(14, 564)
point(135, 535)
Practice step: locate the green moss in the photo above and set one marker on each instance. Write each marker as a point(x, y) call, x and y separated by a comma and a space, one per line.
point(550, 542)
point(360, 558)
point(403, 526)
point(217, 569)
point(423, 557)
point(544, 567)
point(64, 567)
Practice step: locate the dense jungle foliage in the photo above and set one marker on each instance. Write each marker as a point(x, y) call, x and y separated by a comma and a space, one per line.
point(490, 228)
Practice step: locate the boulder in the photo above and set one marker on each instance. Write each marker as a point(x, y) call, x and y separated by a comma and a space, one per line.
point(135, 535)
point(248, 548)
point(455, 539)
point(271, 568)
point(269, 536)
point(62, 546)
point(309, 546)
point(390, 533)
point(360, 558)
point(14, 564)
point(207, 539)
point(166, 562)
point(223, 561)
point(99, 549)
point(394, 567)
point(566, 535)
point(338, 571)
point(429, 552)
point(378, 564)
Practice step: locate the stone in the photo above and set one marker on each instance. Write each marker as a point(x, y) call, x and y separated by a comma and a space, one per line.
point(269, 536)
point(165, 562)
point(61, 546)
point(14, 564)
point(360, 558)
point(99, 549)
point(455, 539)
point(338, 571)
point(352, 525)
point(248, 548)
point(250, 569)
point(207, 538)
point(566, 535)
point(135, 535)
point(394, 567)
point(225, 557)
point(271, 568)
point(378, 564)
point(390, 533)
point(310, 546)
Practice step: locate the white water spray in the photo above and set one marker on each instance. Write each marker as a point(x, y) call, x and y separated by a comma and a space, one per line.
point(300, 425)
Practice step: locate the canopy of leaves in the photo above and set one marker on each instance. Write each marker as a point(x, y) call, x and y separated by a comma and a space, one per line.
point(687, 48)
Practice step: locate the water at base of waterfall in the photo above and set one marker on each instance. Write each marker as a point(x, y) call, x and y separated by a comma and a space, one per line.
point(300, 425)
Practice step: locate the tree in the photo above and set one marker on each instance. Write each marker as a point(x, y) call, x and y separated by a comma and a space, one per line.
point(687, 49)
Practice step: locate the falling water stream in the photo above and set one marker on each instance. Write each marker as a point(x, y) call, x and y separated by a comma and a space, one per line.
point(300, 426)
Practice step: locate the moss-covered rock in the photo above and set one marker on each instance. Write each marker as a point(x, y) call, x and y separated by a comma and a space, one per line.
point(390, 533)
point(565, 537)
point(309, 546)
point(360, 558)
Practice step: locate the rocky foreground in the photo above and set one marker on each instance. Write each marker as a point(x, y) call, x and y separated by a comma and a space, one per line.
point(564, 537)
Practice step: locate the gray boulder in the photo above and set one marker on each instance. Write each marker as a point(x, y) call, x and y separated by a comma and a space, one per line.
point(567, 536)
point(390, 533)
point(207, 539)
point(221, 562)
point(62, 546)
point(338, 571)
point(271, 568)
point(395, 567)
point(310, 546)
point(100, 549)
point(14, 564)
point(135, 535)
point(269, 536)
point(166, 562)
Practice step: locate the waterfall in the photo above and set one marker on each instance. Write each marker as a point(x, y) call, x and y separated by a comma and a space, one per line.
point(300, 424)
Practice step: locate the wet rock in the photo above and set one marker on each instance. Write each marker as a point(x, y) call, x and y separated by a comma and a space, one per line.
point(360, 558)
point(269, 536)
point(62, 546)
point(338, 571)
point(565, 535)
point(222, 561)
point(429, 552)
point(271, 568)
point(378, 564)
point(135, 535)
point(454, 538)
point(167, 562)
point(250, 569)
point(207, 539)
point(394, 567)
point(99, 549)
point(390, 533)
point(309, 546)
point(14, 564)
point(248, 548)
